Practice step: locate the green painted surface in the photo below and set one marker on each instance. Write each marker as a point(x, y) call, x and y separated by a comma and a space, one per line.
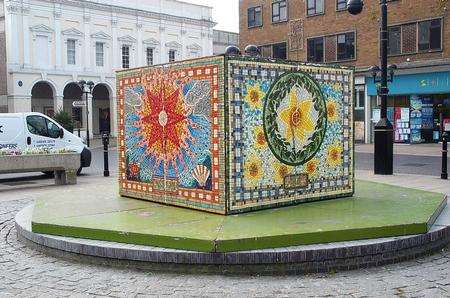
point(376, 210)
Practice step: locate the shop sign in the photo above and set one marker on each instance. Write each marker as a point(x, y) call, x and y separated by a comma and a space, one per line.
point(421, 83)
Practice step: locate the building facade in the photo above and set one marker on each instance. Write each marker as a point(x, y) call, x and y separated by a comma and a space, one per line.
point(49, 45)
point(322, 31)
point(223, 39)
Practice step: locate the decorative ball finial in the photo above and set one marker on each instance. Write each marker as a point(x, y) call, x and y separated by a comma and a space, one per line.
point(232, 51)
point(252, 51)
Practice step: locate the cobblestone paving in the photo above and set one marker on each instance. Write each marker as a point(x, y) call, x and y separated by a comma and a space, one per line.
point(27, 273)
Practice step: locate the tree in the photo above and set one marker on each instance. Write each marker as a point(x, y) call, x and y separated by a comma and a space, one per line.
point(65, 120)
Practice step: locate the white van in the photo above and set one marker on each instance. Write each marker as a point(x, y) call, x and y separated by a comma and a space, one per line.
point(31, 130)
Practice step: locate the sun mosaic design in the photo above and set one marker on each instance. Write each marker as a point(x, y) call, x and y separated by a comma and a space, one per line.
point(289, 123)
point(169, 145)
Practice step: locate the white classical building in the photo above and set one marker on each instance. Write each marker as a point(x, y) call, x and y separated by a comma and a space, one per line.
point(49, 45)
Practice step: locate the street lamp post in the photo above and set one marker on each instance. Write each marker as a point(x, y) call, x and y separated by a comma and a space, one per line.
point(384, 133)
point(86, 88)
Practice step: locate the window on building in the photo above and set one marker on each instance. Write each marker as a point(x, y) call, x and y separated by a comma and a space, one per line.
point(409, 38)
point(360, 98)
point(99, 54)
point(279, 11)
point(315, 7)
point(395, 40)
point(149, 56)
point(430, 35)
point(315, 49)
point(172, 54)
point(254, 16)
point(346, 46)
point(279, 51)
point(71, 43)
point(125, 56)
point(341, 4)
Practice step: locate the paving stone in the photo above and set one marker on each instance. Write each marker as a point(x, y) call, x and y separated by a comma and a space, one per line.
point(27, 273)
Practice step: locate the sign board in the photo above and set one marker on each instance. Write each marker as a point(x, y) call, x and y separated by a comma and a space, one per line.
point(79, 104)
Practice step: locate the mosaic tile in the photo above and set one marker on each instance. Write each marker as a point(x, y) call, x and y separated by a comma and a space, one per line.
point(228, 135)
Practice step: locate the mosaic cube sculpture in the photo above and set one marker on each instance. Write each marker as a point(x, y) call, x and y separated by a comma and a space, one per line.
point(235, 134)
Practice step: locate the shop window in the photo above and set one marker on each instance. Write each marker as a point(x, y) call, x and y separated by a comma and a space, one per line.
point(99, 54)
point(346, 46)
point(279, 51)
point(125, 56)
point(315, 49)
point(315, 7)
point(341, 4)
point(279, 11)
point(71, 44)
point(394, 36)
point(254, 16)
point(430, 35)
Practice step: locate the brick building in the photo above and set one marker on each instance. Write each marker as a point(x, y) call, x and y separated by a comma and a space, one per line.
point(322, 31)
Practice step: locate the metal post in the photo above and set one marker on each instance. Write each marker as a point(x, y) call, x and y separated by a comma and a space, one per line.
point(444, 174)
point(87, 120)
point(384, 133)
point(105, 139)
point(79, 132)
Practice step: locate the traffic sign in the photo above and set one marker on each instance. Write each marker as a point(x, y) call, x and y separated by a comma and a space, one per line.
point(79, 104)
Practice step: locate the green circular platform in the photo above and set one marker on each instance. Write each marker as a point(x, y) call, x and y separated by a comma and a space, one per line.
point(376, 210)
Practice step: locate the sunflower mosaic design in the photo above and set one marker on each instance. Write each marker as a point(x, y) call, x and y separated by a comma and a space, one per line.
point(295, 118)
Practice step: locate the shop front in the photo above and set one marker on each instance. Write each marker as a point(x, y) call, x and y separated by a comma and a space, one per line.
point(418, 106)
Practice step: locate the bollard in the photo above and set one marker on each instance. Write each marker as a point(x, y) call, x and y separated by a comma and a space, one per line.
point(79, 133)
point(105, 140)
point(444, 174)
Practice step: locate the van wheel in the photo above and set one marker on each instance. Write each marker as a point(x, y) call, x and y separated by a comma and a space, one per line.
point(79, 171)
point(49, 173)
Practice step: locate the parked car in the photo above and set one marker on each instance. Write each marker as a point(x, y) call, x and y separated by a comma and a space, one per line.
point(33, 130)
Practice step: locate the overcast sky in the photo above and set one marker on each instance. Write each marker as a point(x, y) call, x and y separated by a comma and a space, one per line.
point(225, 13)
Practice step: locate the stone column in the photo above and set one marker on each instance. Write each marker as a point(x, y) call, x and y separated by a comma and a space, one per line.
point(91, 113)
point(87, 42)
point(58, 103)
point(12, 34)
point(113, 114)
point(184, 43)
point(26, 39)
point(114, 45)
point(58, 43)
point(162, 37)
point(141, 55)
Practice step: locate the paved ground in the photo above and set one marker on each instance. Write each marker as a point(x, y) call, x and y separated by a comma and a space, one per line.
point(27, 273)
